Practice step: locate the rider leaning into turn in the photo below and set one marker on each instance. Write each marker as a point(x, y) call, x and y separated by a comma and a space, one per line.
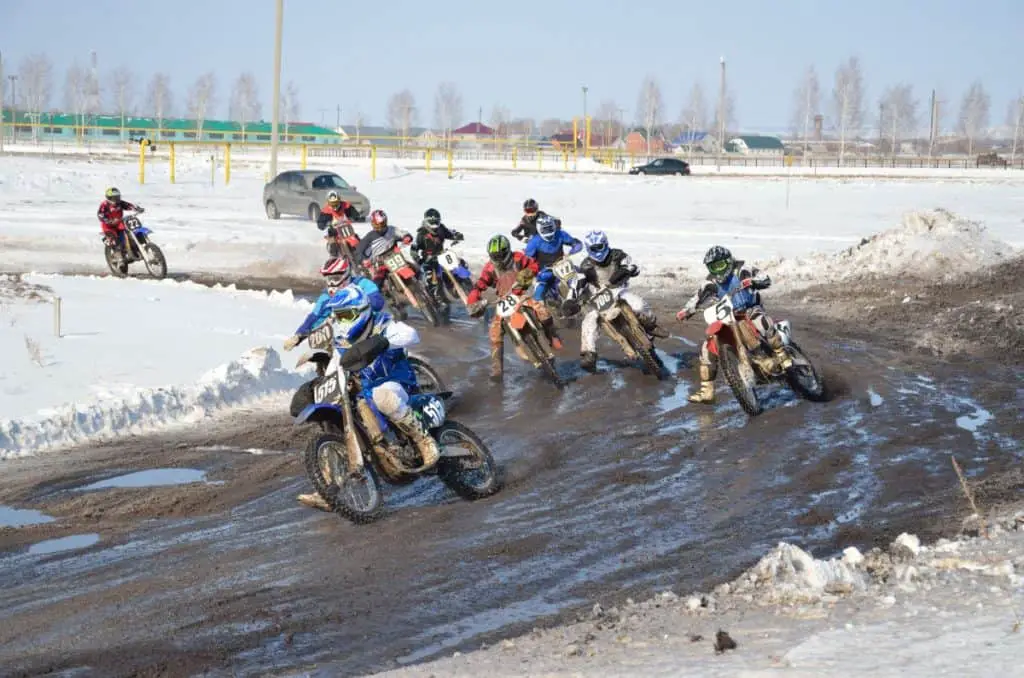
point(729, 276)
point(605, 266)
point(380, 239)
point(111, 216)
point(547, 247)
point(337, 273)
point(335, 210)
point(527, 227)
point(508, 272)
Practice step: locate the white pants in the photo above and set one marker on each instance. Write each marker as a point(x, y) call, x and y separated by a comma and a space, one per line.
point(391, 399)
point(588, 328)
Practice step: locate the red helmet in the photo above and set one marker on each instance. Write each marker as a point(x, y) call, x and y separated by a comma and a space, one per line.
point(337, 271)
point(378, 218)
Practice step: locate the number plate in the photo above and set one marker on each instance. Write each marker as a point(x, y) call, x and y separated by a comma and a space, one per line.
point(328, 390)
point(720, 312)
point(321, 337)
point(449, 261)
point(564, 269)
point(345, 231)
point(395, 261)
point(603, 300)
point(433, 411)
point(507, 305)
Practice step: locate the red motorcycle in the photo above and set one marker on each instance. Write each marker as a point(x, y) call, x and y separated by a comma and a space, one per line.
point(403, 282)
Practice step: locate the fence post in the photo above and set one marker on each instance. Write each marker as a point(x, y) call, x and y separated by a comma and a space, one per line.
point(565, 159)
point(227, 164)
point(515, 156)
point(213, 169)
point(540, 158)
point(305, 151)
point(142, 163)
point(56, 317)
point(428, 161)
point(373, 163)
point(172, 161)
point(449, 164)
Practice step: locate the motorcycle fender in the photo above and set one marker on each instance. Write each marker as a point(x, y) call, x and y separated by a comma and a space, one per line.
point(713, 345)
point(318, 411)
point(406, 273)
point(313, 357)
point(714, 328)
point(462, 273)
point(141, 232)
point(517, 321)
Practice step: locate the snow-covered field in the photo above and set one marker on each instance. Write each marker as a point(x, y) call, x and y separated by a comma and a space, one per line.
point(132, 355)
point(48, 223)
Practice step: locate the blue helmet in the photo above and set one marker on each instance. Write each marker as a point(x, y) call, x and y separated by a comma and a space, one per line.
point(597, 245)
point(350, 310)
point(547, 227)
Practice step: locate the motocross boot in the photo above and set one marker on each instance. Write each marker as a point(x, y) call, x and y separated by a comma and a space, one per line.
point(589, 360)
point(497, 362)
point(552, 334)
point(706, 394)
point(412, 426)
point(781, 355)
point(649, 322)
point(314, 500)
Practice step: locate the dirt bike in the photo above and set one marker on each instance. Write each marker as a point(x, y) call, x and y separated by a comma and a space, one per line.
point(338, 244)
point(569, 280)
point(454, 282)
point(747, 360)
point(617, 319)
point(521, 323)
point(357, 448)
point(137, 247)
point(404, 282)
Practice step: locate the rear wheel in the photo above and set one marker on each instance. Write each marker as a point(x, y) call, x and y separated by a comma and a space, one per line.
point(115, 263)
point(359, 498)
point(803, 378)
point(471, 477)
point(272, 211)
point(426, 376)
point(742, 388)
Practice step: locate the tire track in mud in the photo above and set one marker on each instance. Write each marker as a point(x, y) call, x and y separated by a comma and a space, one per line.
point(617, 486)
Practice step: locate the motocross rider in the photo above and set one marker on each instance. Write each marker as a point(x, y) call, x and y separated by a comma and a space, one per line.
point(605, 266)
point(429, 243)
point(335, 210)
point(508, 272)
point(729, 276)
point(337, 273)
point(380, 239)
point(547, 248)
point(373, 345)
point(111, 216)
point(527, 227)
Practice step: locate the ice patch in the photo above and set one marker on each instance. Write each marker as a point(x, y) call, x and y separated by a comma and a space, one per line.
point(75, 541)
point(971, 422)
point(156, 477)
point(875, 399)
point(14, 517)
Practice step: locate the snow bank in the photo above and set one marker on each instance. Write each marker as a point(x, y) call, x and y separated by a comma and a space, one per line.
point(933, 244)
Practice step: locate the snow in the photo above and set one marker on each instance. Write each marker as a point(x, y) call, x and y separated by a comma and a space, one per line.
point(48, 206)
point(132, 355)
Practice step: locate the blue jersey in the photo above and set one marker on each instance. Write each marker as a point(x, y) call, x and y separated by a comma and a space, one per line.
point(392, 364)
point(742, 298)
point(547, 252)
point(319, 314)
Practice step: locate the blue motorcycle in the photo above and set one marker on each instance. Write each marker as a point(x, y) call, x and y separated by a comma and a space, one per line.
point(357, 447)
point(448, 277)
point(137, 246)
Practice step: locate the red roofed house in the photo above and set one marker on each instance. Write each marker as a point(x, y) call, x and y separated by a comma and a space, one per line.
point(474, 133)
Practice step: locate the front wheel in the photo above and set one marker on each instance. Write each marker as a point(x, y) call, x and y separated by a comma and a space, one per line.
point(426, 303)
point(117, 265)
point(637, 338)
point(358, 499)
point(803, 378)
point(742, 388)
point(471, 477)
point(155, 262)
point(548, 365)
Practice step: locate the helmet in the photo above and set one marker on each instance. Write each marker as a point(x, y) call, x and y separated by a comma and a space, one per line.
point(719, 262)
point(350, 309)
point(113, 194)
point(431, 218)
point(379, 220)
point(499, 250)
point(597, 245)
point(333, 199)
point(337, 272)
point(547, 227)
point(530, 206)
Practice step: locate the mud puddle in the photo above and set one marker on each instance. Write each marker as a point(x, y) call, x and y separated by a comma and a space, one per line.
point(15, 517)
point(157, 477)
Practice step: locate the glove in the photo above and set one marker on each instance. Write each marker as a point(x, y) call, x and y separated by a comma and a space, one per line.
point(570, 307)
point(291, 342)
point(331, 232)
point(457, 237)
point(634, 271)
point(362, 353)
point(407, 239)
point(746, 282)
point(139, 209)
point(524, 278)
point(683, 314)
point(477, 309)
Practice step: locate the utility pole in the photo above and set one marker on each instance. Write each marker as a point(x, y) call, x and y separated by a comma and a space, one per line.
point(2, 103)
point(881, 110)
point(339, 117)
point(807, 115)
point(585, 88)
point(279, 21)
point(1016, 130)
point(721, 114)
point(931, 128)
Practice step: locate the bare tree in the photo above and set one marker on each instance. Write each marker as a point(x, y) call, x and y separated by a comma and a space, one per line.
point(290, 104)
point(550, 126)
point(122, 91)
point(725, 112)
point(245, 104)
point(899, 114)
point(606, 119)
point(1015, 121)
point(35, 80)
point(694, 116)
point(402, 113)
point(649, 107)
point(848, 101)
point(76, 92)
point(447, 109)
point(159, 97)
point(201, 99)
point(523, 127)
point(499, 119)
point(806, 104)
point(974, 110)
point(358, 121)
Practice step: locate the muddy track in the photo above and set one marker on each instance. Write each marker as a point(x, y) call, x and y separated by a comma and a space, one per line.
point(616, 487)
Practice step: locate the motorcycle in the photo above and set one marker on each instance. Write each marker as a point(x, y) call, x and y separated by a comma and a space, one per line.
point(340, 244)
point(404, 282)
point(521, 323)
point(454, 282)
point(617, 319)
point(569, 280)
point(357, 448)
point(138, 246)
point(747, 359)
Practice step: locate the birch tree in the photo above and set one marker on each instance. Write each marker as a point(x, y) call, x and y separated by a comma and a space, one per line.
point(201, 99)
point(974, 110)
point(245, 104)
point(649, 107)
point(160, 104)
point(1015, 121)
point(402, 113)
point(447, 109)
point(607, 111)
point(694, 116)
point(122, 91)
point(848, 101)
point(290, 104)
point(899, 114)
point(35, 80)
point(76, 92)
point(806, 104)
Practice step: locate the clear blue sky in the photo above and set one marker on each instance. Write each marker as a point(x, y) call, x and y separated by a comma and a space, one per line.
point(533, 56)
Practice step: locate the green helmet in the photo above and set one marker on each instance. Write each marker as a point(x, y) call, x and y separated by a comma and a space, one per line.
point(499, 250)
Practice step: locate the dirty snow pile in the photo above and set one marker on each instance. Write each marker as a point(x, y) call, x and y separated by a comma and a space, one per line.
point(132, 355)
point(914, 611)
point(933, 244)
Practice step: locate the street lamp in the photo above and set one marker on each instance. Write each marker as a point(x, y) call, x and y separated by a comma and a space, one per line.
point(277, 88)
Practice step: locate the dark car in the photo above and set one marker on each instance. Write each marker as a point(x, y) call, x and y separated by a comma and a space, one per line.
point(662, 166)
